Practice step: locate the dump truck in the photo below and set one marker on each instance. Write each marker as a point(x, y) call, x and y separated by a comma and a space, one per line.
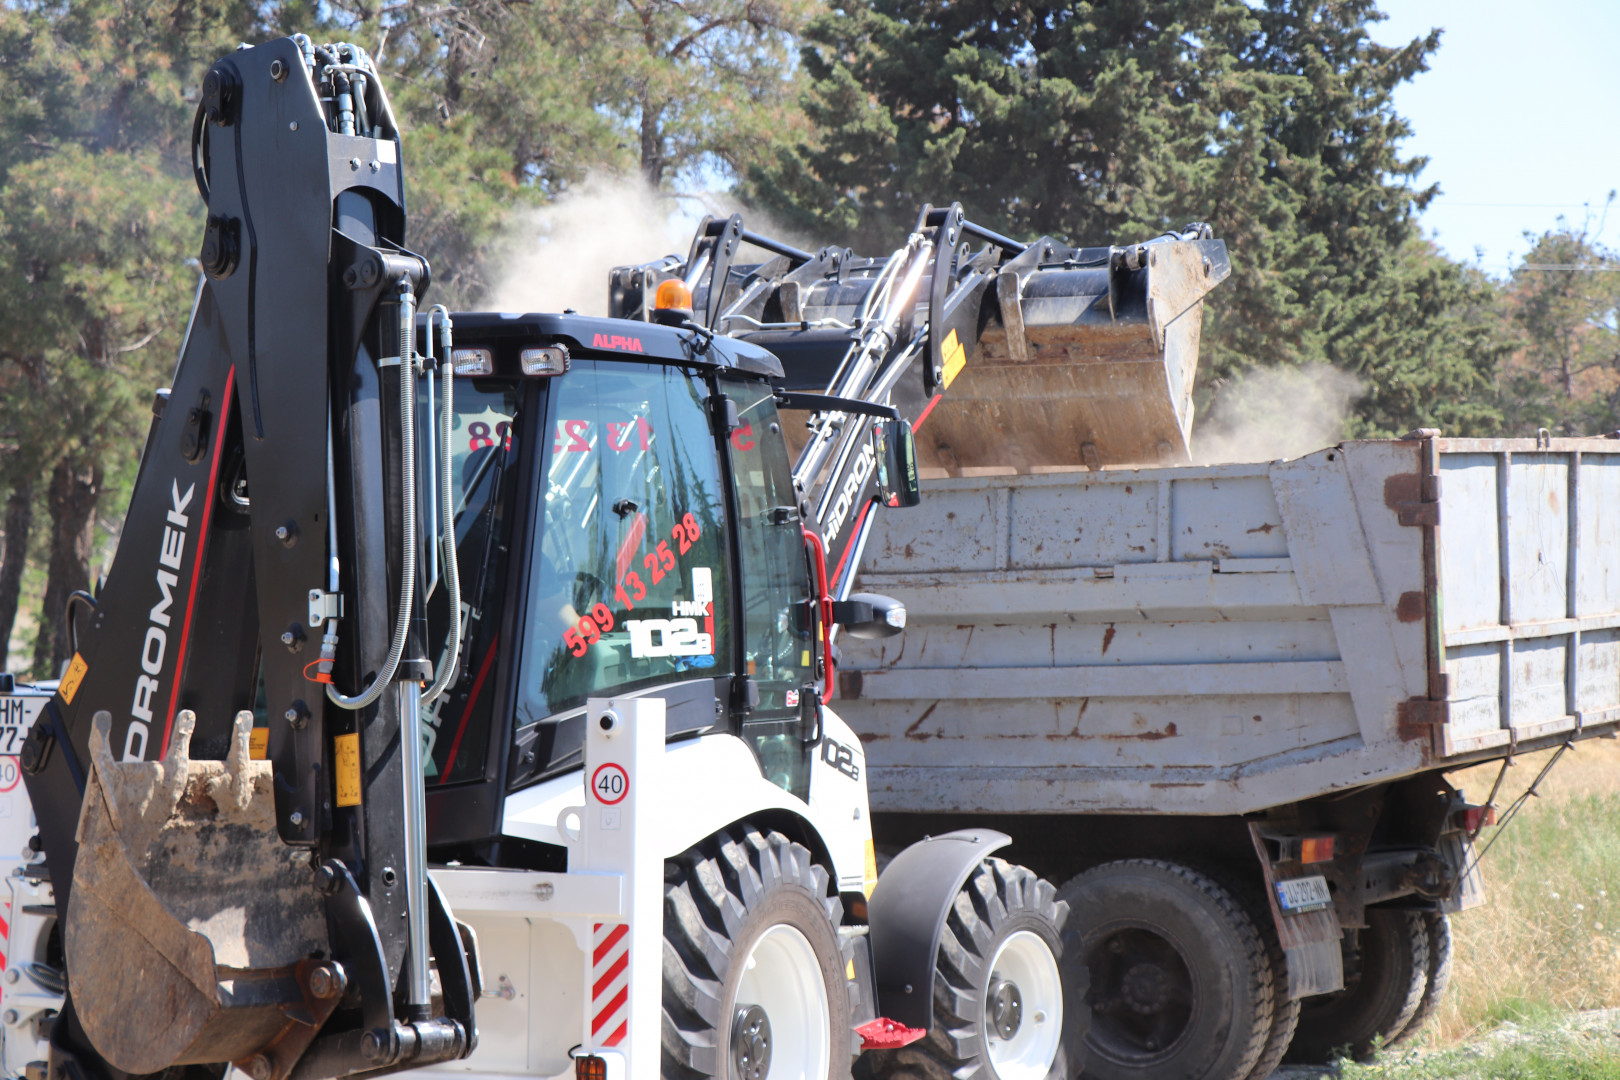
point(1221, 702)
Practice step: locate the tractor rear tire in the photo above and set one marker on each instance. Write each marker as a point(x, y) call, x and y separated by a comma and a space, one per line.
point(1002, 1007)
point(1181, 984)
point(1375, 1005)
point(753, 970)
point(1434, 987)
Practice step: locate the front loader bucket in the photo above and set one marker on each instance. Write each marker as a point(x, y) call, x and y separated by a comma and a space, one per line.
point(193, 934)
point(1091, 363)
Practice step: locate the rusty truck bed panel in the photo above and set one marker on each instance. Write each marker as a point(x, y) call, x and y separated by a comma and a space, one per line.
point(1220, 639)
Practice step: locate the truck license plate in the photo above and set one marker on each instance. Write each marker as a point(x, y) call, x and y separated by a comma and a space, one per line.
point(1304, 894)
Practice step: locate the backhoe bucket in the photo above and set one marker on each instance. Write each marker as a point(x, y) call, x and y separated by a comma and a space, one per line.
point(193, 934)
point(1091, 363)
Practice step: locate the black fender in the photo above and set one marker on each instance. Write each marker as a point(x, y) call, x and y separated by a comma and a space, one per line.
point(906, 914)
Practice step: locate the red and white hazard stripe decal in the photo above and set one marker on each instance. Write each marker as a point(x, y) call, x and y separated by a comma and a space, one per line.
point(610, 983)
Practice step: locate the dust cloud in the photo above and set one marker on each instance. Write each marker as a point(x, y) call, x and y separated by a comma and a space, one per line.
point(1276, 413)
point(564, 250)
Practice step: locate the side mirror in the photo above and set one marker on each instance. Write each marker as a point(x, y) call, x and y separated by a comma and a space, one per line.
point(896, 449)
point(870, 616)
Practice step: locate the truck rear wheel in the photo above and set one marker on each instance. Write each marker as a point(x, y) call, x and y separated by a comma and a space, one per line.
point(1438, 927)
point(754, 983)
point(1284, 1009)
point(1376, 1004)
point(1001, 1007)
point(1181, 985)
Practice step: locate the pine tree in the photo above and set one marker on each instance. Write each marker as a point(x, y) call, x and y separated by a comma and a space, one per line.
point(98, 218)
point(1110, 120)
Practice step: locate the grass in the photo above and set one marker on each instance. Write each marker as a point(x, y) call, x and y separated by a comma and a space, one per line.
point(1547, 941)
point(1543, 1052)
point(1544, 948)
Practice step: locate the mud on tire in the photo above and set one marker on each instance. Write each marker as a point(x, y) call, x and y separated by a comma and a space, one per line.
point(745, 894)
point(993, 916)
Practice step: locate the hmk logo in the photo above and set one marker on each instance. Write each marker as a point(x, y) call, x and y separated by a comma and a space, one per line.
point(615, 341)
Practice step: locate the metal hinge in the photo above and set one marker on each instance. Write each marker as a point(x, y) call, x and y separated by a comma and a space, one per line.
point(723, 414)
point(1417, 718)
point(324, 605)
point(1419, 513)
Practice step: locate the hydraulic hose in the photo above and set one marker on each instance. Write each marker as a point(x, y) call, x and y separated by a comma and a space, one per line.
point(452, 571)
point(408, 523)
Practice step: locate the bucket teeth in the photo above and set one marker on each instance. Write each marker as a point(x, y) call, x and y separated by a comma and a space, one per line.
point(182, 873)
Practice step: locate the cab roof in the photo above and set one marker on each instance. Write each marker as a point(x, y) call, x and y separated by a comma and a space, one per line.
point(607, 339)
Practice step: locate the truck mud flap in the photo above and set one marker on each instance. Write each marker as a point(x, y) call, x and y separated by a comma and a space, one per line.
point(192, 930)
point(1310, 939)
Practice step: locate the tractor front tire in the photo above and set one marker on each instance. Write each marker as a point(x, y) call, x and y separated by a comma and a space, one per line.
point(1002, 1007)
point(754, 977)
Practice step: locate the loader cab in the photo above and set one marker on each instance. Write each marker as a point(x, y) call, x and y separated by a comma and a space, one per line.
point(628, 526)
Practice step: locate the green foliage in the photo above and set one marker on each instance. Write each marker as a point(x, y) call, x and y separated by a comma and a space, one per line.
point(1563, 305)
point(1103, 122)
point(98, 218)
point(505, 104)
point(1543, 1052)
point(1427, 341)
point(94, 294)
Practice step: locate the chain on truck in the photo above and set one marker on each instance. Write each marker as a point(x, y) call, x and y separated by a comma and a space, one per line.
point(458, 696)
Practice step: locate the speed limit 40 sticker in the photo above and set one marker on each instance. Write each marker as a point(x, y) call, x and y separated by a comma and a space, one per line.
point(610, 784)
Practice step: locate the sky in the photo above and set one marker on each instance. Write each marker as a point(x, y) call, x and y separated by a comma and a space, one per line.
point(1517, 116)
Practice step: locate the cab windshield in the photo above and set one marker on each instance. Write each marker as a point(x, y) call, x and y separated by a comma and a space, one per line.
point(631, 554)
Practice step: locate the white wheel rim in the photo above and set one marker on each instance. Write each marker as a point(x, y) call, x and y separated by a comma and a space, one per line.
point(783, 977)
point(1025, 961)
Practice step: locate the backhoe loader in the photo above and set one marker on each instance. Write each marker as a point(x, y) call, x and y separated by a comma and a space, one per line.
point(457, 697)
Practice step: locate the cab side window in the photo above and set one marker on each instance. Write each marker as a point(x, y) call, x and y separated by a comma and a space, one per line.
point(484, 479)
point(778, 644)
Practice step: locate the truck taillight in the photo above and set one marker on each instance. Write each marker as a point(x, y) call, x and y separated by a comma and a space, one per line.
point(590, 1067)
point(1315, 849)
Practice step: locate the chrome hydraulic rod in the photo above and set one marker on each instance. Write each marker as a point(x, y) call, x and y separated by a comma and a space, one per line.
point(418, 990)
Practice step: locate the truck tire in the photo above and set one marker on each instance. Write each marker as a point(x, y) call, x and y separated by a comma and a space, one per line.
point(1284, 1009)
point(1002, 1010)
point(1180, 982)
point(1375, 1005)
point(1438, 928)
point(753, 971)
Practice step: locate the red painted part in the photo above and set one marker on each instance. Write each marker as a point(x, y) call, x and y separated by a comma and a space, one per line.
point(632, 541)
point(197, 559)
point(610, 1010)
point(854, 538)
point(467, 710)
point(886, 1034)
point(926, 410)
point(818, 561)
point(607, 944)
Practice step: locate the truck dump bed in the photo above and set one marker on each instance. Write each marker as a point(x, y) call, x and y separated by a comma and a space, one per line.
point(1221, 639)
